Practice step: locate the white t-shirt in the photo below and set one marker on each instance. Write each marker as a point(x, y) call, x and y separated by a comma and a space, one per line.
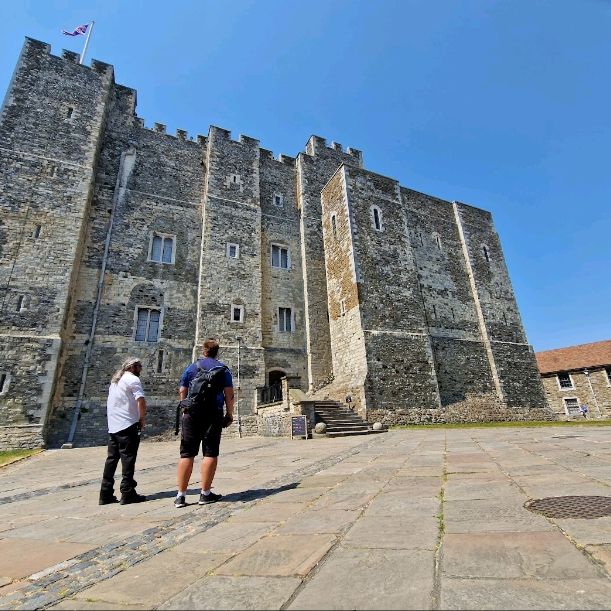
point(121, 407)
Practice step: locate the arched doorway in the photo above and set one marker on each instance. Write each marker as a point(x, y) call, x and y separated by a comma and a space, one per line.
point(275, 376)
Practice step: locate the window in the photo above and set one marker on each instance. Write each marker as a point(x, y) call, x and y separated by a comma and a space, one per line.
point(237, 313)
point(148, 322)
point(571, 406)
point(285, 320)
point(160, 359)
point(161, 249)
point(608, 372)
point(280, 256)
point(233, 250)
point(565, 381)
point(437, 240)
point(342, 307)
point(334, 225)
point(486, 253)
point(69, 112)
point(376, 218)
point(278, 200)
point(4, 380)
point(36, 232)
point(234, 179)
point(22, 303)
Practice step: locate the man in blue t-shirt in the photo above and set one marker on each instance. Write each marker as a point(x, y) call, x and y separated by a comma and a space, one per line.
point(203, 426)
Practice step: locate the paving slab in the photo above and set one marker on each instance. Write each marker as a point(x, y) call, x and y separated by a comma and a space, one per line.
point(543, 555)
point(372, 579)
point(393, 532)
point(524, 594)
point(319, 521)
point(22, 557)
point(225, 592)
point(152, 582)
point(280, 555)
point(493, 515)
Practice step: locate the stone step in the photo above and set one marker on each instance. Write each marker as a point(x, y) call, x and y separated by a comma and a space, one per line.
point(348, 433)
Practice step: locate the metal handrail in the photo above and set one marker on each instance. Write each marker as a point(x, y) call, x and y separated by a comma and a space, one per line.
point(269, 394)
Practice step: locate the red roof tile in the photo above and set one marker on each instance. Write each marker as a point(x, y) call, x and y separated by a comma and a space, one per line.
point(597, 354)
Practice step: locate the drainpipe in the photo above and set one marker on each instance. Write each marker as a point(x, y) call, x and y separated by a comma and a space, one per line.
point(237, 398)
point(587, 374)
point(128, 159)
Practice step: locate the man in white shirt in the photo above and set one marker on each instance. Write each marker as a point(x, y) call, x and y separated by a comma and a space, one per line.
point(126, 411)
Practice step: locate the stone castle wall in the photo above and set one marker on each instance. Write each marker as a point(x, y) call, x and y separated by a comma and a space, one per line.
point(84, 189)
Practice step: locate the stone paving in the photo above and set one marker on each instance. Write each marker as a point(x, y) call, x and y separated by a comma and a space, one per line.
point(415, 519)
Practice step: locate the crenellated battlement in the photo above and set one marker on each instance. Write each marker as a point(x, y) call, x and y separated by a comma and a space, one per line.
point(281, 158)
point(317, 144)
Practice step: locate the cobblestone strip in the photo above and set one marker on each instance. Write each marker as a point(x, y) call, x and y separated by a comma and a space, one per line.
point(106, 561)
point(21, 496)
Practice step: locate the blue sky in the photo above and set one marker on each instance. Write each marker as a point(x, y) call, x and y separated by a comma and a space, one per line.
point(504, 105)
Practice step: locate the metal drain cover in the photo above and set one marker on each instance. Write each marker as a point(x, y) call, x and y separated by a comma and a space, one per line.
point(580, 507)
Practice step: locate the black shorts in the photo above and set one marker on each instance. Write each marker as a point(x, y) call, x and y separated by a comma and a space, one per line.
point(204, 428)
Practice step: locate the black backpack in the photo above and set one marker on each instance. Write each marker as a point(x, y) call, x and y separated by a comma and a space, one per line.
point(205, 387)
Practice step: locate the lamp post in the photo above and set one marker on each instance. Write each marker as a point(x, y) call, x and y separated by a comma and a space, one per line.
point(587, 374)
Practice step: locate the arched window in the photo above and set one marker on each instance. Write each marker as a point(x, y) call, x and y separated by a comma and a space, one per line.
point(376, 218)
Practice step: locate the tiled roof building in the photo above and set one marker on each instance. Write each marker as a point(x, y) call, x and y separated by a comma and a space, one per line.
point(578, 375)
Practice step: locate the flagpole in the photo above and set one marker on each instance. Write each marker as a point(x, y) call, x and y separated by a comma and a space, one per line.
point(89, 30)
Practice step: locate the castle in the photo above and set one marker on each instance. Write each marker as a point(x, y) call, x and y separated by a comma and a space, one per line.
point(117, 239)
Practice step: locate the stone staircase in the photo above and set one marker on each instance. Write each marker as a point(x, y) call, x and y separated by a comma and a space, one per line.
point(340, 421)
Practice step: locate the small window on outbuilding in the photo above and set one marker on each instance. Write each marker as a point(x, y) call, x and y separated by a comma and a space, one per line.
point(608, 372)
point(571, 406)
point(565, 382)
point(148, 323)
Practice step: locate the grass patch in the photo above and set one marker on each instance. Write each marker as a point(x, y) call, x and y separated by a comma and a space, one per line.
point(9, 456)
point(493, 425)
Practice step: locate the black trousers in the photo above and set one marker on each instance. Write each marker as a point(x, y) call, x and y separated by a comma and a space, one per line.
point(122, 445)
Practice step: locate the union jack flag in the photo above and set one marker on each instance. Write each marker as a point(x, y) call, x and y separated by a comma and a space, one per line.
point(82, 29)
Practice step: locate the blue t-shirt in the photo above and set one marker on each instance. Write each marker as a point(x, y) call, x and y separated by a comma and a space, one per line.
point(207, 363)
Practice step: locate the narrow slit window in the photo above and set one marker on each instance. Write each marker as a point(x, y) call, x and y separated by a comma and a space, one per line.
point(69, 112)
point(278, 200)
point(3, 383)
point(438, 241)
point(376, 218)
point(342, 307)
point(20, 303)
point(160, 358)
point(486, 253)
point(36, 232)
point(334, 225)
point(147, 325)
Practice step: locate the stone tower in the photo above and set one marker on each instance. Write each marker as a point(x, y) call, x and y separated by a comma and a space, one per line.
point(118, 239)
